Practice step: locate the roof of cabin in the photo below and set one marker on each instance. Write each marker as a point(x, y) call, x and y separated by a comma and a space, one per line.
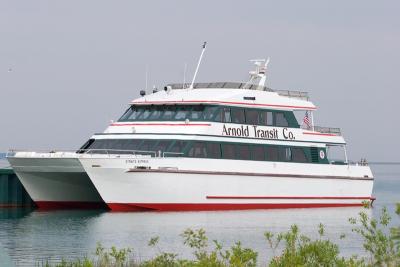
point(225, 93)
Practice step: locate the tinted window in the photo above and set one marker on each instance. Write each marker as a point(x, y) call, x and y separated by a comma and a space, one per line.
point(169, 113)
point(181, 113)
point(251, 116)
point(209, 113)
point(147, 145)
point(126, 115)
point(298, 155)
point(257, 152)
point(214, 150)
point(86, 145)
point(162, 145)
point(237, 115)
point(280, 120)
point(136, 111)
point(271, 153)
point(284, 154)
point(243, 152)
point(132, 144)
point(226, 115)
point(266, 118)
point(145, 114)
point(156, 113)
point(198, 150)
point(197, 112)
point(178, 146)
point(228, 151)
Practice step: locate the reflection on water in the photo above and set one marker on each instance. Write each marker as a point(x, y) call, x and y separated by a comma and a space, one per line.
point(29, 237)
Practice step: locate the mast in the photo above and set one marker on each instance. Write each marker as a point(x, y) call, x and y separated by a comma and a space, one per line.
point(198, 65)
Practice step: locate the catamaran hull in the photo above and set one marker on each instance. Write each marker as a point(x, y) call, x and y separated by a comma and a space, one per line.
point(56, 183)
point(200, 184)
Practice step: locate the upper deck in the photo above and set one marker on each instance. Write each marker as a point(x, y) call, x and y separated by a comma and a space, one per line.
point(229, 93)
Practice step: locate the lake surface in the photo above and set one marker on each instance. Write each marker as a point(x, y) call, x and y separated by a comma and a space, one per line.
point(29, 237)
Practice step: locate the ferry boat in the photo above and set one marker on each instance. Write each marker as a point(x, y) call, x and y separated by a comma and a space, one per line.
point(203, 146)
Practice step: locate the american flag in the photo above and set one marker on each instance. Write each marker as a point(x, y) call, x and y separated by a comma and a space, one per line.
point(306, 121)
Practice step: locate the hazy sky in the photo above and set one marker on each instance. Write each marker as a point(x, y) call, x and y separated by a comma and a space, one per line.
point(69, 67)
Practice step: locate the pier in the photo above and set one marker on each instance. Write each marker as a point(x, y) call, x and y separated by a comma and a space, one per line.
point(12, 192)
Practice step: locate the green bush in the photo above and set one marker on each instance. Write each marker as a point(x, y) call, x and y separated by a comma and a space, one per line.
point(291, 248)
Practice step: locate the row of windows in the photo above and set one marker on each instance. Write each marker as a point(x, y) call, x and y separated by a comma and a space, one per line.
point(200, 149)
point(210, 113)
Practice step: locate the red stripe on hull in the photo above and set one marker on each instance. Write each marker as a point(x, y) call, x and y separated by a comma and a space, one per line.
point(125, 207)
point(50, 205)
point(284, 197)
point(160, 124)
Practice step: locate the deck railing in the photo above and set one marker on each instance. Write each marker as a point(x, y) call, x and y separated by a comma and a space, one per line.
point(294, 94)
point(108, 152)
point(235, 85)
point(320, 129)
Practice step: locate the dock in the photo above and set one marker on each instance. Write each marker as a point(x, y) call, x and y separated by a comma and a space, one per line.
point(12, 192)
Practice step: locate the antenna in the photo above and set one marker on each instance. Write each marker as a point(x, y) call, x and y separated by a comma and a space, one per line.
point(184, 76)
point(146, 76)
point(198, 65)
point(260, 72)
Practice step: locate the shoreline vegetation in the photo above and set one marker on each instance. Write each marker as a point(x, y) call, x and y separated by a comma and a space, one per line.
point(381, 244)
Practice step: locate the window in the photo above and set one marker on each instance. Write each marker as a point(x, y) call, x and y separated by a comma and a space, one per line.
point(266, 118)
point(209, 113)
point(147, 145)
point(214, 150)
point(146, 113)
point(169, 113)
point(126, 115)
point(272, 153)
point(228, 151)
point(284, 154)
point(177, 147)
point(132, 144)
point(162, 145)
point(85, 146)
point(251, 116)
point(243, 152)
point(226, 114)
point(156, 114)
point(280, 120)
point(257, 152)
point(198, 150)
point(238, 115)
point(181, 113)
point(298, 155)
point(197, 112)
point(136, 111)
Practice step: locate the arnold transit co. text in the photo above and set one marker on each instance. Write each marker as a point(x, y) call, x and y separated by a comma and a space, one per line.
point(256, 132)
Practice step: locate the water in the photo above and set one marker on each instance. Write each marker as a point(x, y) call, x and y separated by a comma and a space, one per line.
point(30, 237)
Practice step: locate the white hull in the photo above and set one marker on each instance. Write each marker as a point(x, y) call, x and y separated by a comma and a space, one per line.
point(128, 183)
point(55, 181)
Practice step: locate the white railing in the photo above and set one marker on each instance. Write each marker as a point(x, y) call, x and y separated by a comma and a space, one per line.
point(92, 152)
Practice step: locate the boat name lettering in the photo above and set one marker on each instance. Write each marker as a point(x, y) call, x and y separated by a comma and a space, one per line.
point(257, 132)
point(137, 161)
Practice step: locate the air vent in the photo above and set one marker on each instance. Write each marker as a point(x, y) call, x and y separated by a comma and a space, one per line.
point(314, 154)
point(249, 98)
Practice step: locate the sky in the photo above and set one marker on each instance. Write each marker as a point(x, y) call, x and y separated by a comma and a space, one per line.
point(69, 67)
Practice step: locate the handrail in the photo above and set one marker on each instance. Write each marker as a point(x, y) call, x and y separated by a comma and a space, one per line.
point(294, 94)
point(236, 85)
point(320, 129)
point(108, 152)
point(222, 85)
